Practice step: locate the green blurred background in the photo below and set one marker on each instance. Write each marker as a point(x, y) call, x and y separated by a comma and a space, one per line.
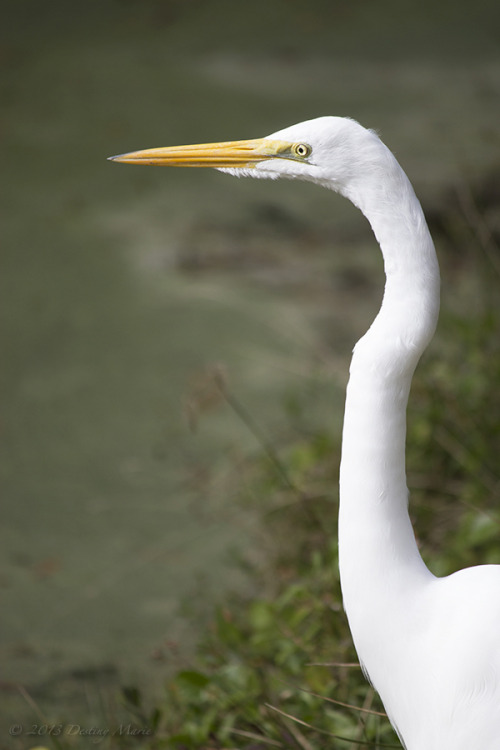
point(122, 288)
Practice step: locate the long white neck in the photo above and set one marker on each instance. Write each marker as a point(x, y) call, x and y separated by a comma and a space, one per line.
point(378, 554)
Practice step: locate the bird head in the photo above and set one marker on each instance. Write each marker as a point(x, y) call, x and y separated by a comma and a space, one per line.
point(331, 151)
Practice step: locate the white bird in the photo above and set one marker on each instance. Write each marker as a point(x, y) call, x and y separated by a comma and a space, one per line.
point(430, 646)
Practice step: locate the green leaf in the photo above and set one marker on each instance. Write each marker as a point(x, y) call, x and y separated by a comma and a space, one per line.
point(193, 679)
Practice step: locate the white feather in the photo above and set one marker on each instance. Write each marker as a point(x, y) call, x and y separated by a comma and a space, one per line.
point(430, 646)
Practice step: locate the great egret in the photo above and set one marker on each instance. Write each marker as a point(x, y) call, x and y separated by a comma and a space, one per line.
point(430, 646)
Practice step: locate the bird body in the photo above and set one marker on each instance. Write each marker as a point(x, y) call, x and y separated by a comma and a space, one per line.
point(430, 646)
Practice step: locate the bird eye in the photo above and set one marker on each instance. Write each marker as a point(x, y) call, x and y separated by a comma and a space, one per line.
point(302, 150)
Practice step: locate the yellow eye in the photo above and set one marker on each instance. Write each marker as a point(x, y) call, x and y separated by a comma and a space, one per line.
point(301, 150)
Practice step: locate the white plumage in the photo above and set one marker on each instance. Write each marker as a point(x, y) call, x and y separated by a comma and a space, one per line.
point(430, 646)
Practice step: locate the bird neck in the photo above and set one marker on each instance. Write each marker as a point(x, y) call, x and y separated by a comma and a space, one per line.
point(376, 539)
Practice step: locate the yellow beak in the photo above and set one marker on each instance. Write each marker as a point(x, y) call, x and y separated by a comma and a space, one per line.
point(227, 154)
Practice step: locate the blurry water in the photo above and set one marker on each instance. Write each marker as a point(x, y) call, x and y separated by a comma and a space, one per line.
point(114, 520)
